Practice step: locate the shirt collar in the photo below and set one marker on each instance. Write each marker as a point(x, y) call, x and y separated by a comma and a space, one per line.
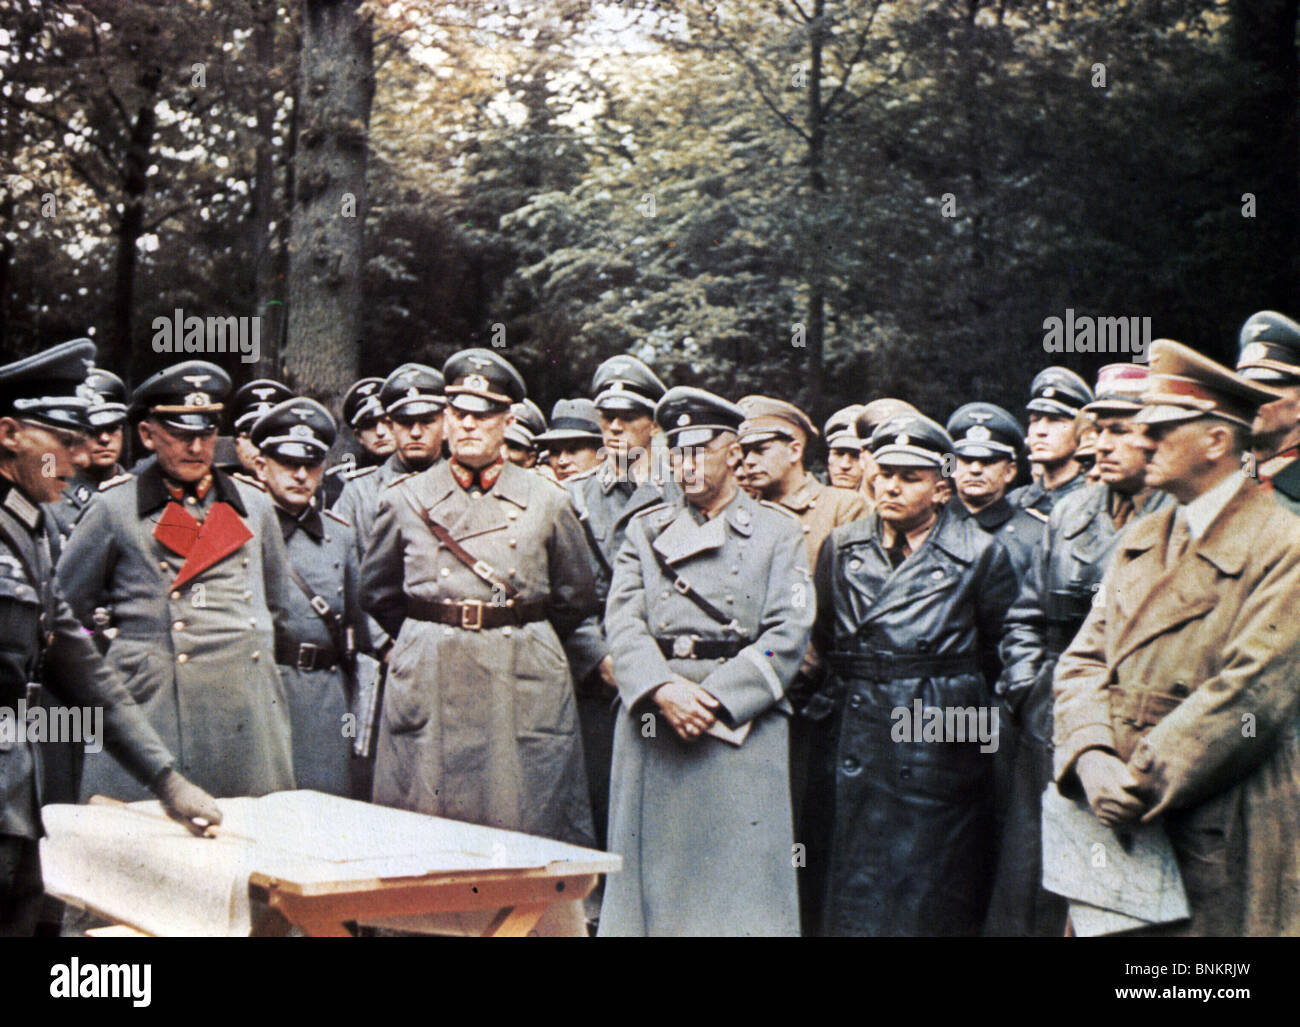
point(308, 520)
point(483, 478)
point(1200, 513)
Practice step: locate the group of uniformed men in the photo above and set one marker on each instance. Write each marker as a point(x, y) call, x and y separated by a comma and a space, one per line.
point(665, 636)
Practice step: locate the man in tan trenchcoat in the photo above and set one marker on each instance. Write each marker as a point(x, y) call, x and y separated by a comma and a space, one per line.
point(1178, 699)
point(479, 721)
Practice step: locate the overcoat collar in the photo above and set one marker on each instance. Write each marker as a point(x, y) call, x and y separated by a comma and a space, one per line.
point(151, 490)
point(686, 535)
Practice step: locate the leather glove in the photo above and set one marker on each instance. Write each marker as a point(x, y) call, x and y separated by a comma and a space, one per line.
point(187, 802)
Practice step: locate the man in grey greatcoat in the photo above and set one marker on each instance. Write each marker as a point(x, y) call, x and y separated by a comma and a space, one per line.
point(708, 618)
point(187, 565)
point(325, 627)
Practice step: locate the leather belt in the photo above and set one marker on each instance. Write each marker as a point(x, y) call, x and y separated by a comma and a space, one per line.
point(1141, 709)
point(688, 647)
point(475, 614)
point(305, 656)
point(886, 666)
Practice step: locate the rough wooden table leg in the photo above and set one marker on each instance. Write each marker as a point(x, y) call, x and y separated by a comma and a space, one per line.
point(515, 921)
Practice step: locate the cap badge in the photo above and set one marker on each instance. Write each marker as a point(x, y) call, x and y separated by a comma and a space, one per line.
point(979, 434)
point(683, 419)
point(412, 392)
point(479, 361)
point(901, 440)
point(477, 381)
point(196, 399)
point(1255, 351)
point(302, 413)
point(264, 393)
point(979, 416)
point(1257, 328)
point(301, 431)
point(1049, 392)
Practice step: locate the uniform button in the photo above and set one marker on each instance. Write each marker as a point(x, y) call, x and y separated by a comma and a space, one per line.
point(855, 701)
point(445, 571)
point(731, 599)
point(446, 631)
point(937, 575)
point(512, 514)
point(340, 590)
point(256, 653)
point(663, 624)
point(475, 494)
point(514, 570)
point(506, 632)
point(182, 658)
point(163, 565)
point(850, 765)
point(664, 594)
point(336, 565)
point(176, 595)
point(248, 595)
point(806, 529)
point(854, 564)
point(189, 500)
point(245, 561)
point(178, 625)
point(513, 543)
point(252, 622)
point(736, 569)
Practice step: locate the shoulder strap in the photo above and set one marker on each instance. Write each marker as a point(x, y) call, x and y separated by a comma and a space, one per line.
point(483, 570)
point(687, 589)
point(344, 645)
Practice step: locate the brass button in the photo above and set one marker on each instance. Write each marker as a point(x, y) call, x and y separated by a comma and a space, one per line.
point(162, 564)
point(506, 632)
point(512, 514)
point(513, 543)
point(176, 595)
point(248, 594)
point(182, 658)
point(340, 590)
point(256, 653)
point(252, 622)
point(178, 625)
point(445, 571)
point(245, 561)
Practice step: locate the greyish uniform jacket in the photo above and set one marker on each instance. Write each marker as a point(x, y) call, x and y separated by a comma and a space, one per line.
point(195, 634)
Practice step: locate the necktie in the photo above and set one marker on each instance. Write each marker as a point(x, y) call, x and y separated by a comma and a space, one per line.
point(897, 553)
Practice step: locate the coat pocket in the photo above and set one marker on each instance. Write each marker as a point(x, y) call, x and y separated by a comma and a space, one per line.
point(141, 669)
point(543, 698)
point(406, 709)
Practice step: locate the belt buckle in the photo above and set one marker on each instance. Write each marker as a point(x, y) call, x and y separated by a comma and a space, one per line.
point(476, 623)
point(684, 647)
point(302, 662)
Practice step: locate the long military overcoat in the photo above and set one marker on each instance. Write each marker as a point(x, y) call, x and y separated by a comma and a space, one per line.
point(704, 828)
point(193, 634)
point(481, 725)
point(912, 842)
point(1189, 674)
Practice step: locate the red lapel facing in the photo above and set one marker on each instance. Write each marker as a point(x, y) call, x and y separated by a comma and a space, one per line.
point(223, 531)
point(177, 529)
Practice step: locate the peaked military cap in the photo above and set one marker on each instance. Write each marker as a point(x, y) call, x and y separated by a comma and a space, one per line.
point(47, 387)
point(1119, 390)
point(984, 431)
point(298, 430)
point(839, 429)
point(1184, 385)
point(480, 381)
point(529, 423)
point(251, 401)
point(1269, 349)
point(361, 402)
point(767, 418)
point(106, 393)
point(692, 417)
point(186, 397)
point(624, 384)
point(413, 390)
point(875, 413)
point(1058, 391)
point(910, 440)
point(572, 420)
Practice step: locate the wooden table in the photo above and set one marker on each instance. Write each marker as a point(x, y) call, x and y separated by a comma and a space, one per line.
point(311, 861)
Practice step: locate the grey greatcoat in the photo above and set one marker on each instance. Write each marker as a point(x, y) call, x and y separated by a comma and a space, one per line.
point(1055, 597)
point(192, 636)
point(480, 724)
point(704, 828)
point(322, 549)
point(913, 835)
point(359, 501)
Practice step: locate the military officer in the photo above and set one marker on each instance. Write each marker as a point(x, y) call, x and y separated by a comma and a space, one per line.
point(1057, 395)
point(249, 403)
point(910, 604)
point(573, 439)
point(188, 565)
point(707, 620)
point(106, 394)
point(479, 570)
point(869, 418)
point(412, 401)
point(368, 422)
point(1176, 702)
point(628, 480)
point(987, 442)
point(43, 423)
point(844, 449)
point(1270, 353)
point(325, 625)
point(773, 440)
point(1054, 599)
point(521, 436)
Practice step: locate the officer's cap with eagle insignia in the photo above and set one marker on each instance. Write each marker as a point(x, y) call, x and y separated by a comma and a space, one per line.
point(1058, 391)
point(910, 440)
point(1119, 390)
point(572, 420)
point(692, 417)
point(297, 431)
point(626, 385)
point(361, 406)
point(47, 387)
point(1185, 385)
point(1269, 349)
point(107, 395)
point(767, 418)
point(413, 390)
point(839, 428)
point(984, 431)
point(251, 401)
point(529, 423)
point(873, 414)
point(482, 382)
point(186, 397)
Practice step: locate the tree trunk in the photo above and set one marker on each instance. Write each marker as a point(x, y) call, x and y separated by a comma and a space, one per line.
point(336, 85)
point(816, 339)
point(120, 352)
point(263, 199)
